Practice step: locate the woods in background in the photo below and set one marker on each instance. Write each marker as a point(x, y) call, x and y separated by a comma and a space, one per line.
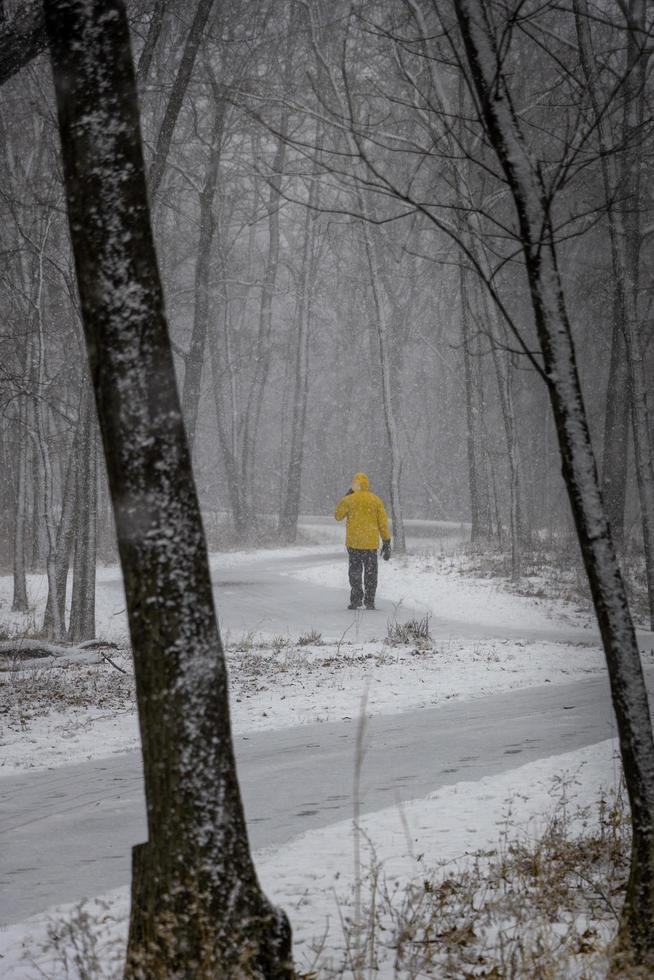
point(408, 237)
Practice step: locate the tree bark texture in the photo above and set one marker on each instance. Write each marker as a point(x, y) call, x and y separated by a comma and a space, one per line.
point(197, 909)
point(628, 691)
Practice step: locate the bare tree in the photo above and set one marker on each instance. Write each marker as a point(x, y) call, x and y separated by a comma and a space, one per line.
point(197, 909)
point(485, 64)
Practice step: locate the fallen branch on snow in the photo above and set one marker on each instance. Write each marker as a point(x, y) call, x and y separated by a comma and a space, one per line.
point(26, 654)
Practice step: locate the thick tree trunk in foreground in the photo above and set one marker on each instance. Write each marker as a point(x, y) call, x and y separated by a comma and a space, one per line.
point(629, 695)
point(197, 909)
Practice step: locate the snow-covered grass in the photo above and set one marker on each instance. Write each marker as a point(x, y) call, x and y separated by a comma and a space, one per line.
point(552, 570)
point(416, 863)
point(455, 595)
point(59, 716)
point(457, 882)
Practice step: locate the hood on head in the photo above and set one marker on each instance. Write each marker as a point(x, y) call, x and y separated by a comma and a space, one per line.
point(359, 481)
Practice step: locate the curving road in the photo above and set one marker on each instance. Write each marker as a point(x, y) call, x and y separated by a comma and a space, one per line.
point(67, 832)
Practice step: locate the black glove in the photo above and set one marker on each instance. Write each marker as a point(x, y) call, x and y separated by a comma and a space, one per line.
point(386, 550)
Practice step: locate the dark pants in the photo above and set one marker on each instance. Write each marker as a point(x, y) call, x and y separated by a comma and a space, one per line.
point(363, 561)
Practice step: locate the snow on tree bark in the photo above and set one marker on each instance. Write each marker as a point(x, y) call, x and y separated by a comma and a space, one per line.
point(628, 690)
point(197, 908)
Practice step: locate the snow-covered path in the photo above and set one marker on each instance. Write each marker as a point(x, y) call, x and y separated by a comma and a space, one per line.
point(288, 594)
point(67, 833)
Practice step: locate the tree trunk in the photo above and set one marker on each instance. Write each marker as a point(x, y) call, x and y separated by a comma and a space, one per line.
point(7, 491)
point(195, 360)
point(65, 533)
point(399, 540)
point(290, 508)
point(618, 392)
point(616, 429)
point(503, 375)
point(56, 625)
point(147, 52)
point(480, 504)
point(634, 94)
point(22, 38)
point(82, 609)
point(197, 909)
point(228, 443)
point(628, 691)
point(19, 603)
point(262, 349)
point(174, 104)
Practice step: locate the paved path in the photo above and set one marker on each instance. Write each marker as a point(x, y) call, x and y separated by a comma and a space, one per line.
point(265, 598)
point(67, 833)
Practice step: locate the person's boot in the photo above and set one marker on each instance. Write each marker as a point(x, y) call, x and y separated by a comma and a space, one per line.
point(370, 605)
point(354, 605)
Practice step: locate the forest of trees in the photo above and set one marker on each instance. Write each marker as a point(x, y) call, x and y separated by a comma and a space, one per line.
point(309, 344)
point(402, 236)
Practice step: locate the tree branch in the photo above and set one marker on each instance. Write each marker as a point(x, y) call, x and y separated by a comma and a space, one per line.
point(22, 38)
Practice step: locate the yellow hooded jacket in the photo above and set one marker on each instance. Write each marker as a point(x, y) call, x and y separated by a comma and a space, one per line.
point(366, 517)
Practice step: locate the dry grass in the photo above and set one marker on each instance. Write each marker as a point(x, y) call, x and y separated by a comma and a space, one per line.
point(253, 667)
point(412, 632)
point(553, 570)
point(27, 694)
point(543, 908)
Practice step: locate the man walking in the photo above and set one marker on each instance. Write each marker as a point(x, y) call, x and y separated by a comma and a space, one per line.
point(366, 521)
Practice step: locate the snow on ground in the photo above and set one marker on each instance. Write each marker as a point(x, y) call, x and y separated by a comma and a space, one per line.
point(53, 717)
point(435, 584)
point(110, 612)
point(295, 686)
point(57, 716)
point(312, 878)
